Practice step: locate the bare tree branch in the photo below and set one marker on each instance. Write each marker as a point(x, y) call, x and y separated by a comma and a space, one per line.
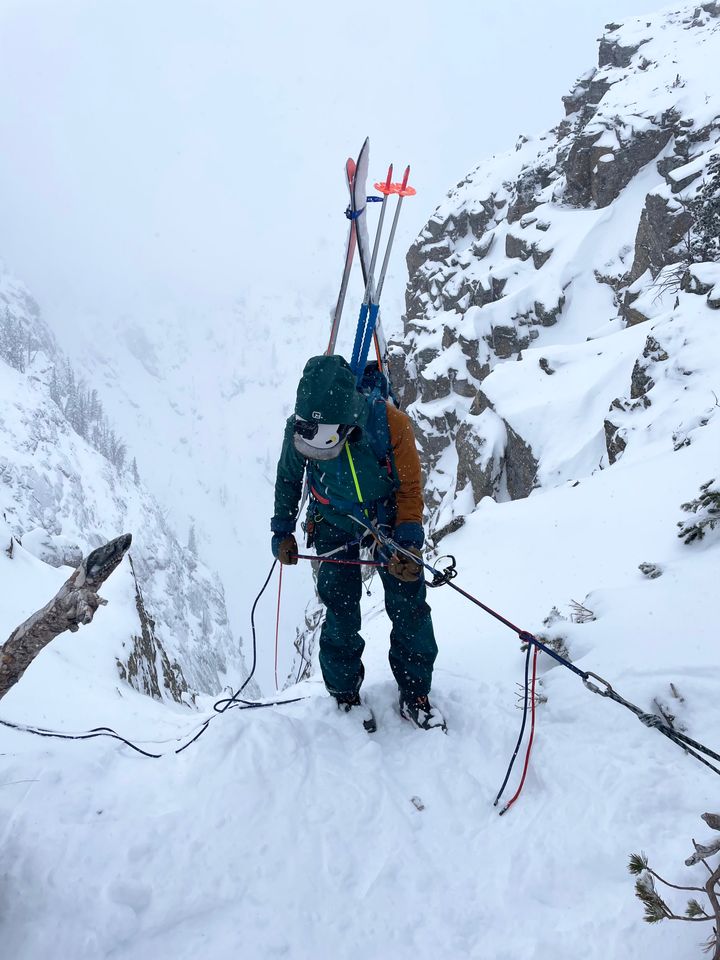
point(711, 889)
point(74, 604)
point(674, 885)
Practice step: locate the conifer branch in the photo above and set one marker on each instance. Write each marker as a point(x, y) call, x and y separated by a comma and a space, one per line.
point(655, 907)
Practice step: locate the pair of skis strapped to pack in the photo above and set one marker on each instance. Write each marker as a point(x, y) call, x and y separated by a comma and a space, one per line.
point(369, 327)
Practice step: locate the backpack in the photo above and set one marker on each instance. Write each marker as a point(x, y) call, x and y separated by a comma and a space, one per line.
point(377, 434)
point(375, 379)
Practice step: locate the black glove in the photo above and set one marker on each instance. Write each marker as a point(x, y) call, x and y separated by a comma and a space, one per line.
point(285, 548)
point(403, 568)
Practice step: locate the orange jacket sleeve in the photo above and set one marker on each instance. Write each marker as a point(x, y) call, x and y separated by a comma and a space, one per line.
point(407, 464)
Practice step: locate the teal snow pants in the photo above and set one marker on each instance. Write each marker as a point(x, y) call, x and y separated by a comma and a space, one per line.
point(412, 641)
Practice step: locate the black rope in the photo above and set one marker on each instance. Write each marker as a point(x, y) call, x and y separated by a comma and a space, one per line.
point(220, 706)
point(87, 735)
point(197, 736)
point(526, 700)
point(649, 719)
point(446, 576)
point(440, 578)
point(653, 721)
point(235, 701)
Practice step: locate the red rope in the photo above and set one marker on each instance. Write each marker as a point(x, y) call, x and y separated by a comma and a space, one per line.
point(532, 733)
point(352, 563)
point(277, 626)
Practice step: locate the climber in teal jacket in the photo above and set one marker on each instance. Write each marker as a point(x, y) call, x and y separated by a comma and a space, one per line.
point(359, 454)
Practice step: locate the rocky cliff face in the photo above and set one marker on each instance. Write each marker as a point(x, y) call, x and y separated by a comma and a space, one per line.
point(60, 498)
point(570, 237)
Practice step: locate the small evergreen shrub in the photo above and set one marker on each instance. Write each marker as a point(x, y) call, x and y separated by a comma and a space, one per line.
point(704, 908)
point(706, 510)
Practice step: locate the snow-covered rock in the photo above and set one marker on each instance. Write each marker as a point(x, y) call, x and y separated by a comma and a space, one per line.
point(577, 235)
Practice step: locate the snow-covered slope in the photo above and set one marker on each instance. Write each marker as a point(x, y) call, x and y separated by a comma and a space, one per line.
point(62, 498)
point(288, 831)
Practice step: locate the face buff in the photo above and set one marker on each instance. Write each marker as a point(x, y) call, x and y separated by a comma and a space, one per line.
point(319, 441)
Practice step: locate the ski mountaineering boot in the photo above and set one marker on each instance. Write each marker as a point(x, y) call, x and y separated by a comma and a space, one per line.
point(347, 702)
point(420, 712)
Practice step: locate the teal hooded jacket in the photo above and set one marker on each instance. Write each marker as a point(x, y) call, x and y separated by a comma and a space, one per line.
point(363, 480)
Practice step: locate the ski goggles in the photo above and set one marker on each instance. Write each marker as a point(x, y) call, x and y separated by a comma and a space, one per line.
point(319, 441)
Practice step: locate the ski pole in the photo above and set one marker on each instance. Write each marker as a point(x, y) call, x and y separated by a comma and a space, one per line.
point(369, 312)
point(404, 191)
point(385, 189)
point(378, 337)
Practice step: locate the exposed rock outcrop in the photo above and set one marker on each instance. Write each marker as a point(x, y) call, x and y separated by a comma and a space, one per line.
point(663, 225)
point(501, 261)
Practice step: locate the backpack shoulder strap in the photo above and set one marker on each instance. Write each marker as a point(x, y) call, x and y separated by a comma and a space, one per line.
point(378, 432)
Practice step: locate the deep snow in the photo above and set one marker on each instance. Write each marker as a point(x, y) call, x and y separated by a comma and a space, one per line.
point(291, 832)
point(288, 831)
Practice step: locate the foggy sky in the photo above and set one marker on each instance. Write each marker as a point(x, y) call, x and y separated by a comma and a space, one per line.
point(191, 151)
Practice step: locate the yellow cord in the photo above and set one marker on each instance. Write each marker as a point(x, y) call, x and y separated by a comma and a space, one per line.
point(354, 475)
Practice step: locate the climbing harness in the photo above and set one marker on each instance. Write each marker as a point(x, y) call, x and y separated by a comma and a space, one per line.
point(440, 576)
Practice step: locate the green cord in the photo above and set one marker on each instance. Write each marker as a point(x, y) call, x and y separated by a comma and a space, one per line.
point(354, 476)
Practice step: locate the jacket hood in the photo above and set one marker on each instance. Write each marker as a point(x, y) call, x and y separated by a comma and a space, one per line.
point(327, 392)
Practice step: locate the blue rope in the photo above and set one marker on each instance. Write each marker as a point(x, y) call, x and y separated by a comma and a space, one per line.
point(367, 341)
point(359, 337)
point(363, 338)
